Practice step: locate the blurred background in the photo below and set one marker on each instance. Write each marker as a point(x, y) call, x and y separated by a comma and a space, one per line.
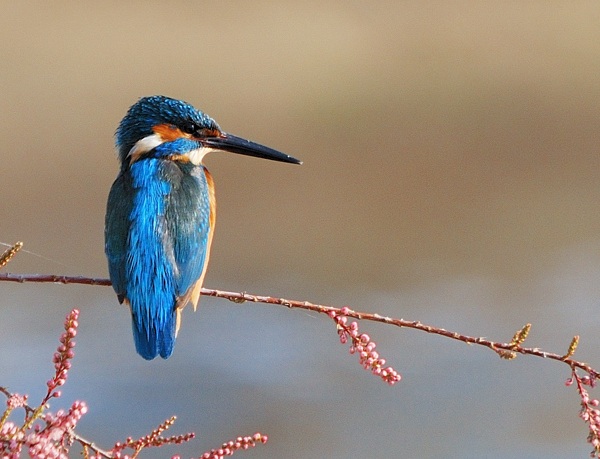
point(451, 175)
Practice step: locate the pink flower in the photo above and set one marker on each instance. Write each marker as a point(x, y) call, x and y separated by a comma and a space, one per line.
point(363, 346)
point(230, 447)
point(16, 401)
point(63, 355)
point(589, 413)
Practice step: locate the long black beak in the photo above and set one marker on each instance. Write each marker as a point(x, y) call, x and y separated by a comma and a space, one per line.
point(234, 144)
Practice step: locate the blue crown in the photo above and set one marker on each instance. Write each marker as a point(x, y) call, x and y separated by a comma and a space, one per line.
point(155, 110)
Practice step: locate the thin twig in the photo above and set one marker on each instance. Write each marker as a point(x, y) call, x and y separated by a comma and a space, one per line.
point(240, 297)
point(91, 445)
point(22, 278)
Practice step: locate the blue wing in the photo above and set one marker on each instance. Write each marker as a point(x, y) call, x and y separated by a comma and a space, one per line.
point(157, 238)
point(188, 227)
point(116, 231)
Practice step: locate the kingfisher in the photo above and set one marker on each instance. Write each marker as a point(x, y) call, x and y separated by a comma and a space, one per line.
point(160, 215)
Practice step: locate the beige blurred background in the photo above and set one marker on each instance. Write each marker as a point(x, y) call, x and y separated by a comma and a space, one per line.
point(451, 175)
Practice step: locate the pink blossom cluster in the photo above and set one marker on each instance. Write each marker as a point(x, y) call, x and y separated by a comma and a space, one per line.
point(45, 435)
point(11, 440)
point(154, 439)
point(230, 447)
point(54, 439)
point(363, 346)
point(16, 401)
point(589, 410)
point(63, 355)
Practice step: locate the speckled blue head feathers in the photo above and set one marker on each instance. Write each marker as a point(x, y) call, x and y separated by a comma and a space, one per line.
point(152, 111)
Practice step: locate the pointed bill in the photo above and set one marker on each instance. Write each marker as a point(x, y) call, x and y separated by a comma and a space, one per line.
point(234, 144)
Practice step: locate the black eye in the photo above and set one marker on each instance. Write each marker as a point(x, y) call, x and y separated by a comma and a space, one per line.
point(189, 128)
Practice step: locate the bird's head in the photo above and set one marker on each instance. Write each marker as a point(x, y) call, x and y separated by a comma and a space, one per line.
point(161, 127)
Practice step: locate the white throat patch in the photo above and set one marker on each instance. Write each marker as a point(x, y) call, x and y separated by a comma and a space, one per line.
point(144, 146)
point(196, 156)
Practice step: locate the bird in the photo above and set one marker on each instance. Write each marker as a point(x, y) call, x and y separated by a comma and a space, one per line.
point(160, 213)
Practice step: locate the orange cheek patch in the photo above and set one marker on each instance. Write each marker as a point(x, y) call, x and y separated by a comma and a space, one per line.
point(179, 158)
point(212, 133)
point(168, 132)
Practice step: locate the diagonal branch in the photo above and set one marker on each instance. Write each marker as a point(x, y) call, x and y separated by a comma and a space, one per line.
point(240, 297)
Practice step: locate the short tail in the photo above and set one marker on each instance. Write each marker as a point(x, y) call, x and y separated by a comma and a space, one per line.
point(154, 338)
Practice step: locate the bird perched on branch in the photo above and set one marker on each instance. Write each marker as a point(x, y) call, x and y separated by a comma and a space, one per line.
point(160, 215)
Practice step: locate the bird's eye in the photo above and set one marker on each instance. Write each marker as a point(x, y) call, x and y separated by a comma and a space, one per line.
point(189, 128)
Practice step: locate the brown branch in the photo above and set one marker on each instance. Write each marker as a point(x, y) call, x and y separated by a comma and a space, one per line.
point(240, 297)
point(22, 278)
point(90, 445)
